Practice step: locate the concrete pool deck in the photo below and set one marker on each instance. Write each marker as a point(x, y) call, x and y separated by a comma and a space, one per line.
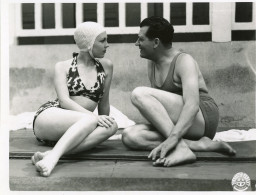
point(112, 167)
point(115, 175)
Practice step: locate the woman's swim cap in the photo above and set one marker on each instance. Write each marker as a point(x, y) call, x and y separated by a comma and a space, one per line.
point(85, 35)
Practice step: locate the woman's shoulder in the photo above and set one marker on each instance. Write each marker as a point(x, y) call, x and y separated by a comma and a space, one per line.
point(63, 65)
point(106, 63)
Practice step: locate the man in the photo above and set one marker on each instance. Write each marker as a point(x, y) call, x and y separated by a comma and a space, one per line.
point(183, 117)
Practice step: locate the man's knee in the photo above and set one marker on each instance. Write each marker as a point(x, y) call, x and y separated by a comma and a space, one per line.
point(138, 94)
point(129, 137)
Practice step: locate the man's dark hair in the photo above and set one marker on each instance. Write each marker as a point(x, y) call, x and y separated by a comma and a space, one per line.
point(159, 28)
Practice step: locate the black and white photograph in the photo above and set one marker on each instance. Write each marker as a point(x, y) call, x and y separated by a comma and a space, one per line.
point(128, 96)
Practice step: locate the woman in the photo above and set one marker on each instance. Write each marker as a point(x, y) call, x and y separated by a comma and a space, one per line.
point(82, 84)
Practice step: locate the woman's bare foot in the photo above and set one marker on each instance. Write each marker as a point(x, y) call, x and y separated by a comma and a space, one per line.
point(47, 164)
point(205, 144)
point(38, 156)
point(180, 155)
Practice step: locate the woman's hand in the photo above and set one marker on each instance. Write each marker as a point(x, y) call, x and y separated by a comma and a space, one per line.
point(105, 121)
point(169, 144)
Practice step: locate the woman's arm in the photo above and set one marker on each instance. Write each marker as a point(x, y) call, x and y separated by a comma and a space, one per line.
point(62, 90)
point(103, 106)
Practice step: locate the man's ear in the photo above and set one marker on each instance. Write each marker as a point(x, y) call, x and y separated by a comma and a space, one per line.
point(156, 42)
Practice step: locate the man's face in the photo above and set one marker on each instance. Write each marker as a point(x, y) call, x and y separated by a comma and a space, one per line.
point(145, 45)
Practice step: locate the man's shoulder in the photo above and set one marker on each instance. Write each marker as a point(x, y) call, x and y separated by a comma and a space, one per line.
point(184, 56)
point(185, 63)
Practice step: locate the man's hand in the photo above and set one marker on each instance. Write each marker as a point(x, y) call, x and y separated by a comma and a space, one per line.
point(169, 144)
point(105, 121)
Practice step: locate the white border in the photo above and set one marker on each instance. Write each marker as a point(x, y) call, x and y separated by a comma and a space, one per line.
point(4, 100)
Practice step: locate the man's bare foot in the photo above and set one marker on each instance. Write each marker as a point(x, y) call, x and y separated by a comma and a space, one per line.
point(205, 144)
point(180, 155)
point(47, 164)
point(38, 156)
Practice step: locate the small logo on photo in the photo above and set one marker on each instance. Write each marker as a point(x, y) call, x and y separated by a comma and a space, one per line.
point(241, 182)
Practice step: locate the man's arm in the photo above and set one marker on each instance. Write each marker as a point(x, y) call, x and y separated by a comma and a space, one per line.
point(187, 71)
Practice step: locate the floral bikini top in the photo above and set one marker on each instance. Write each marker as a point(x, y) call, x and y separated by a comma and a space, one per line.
point(76, 86)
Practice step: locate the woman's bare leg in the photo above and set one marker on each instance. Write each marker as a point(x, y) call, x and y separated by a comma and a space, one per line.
point(72, 137)
point(71, 133)
point(99, 135)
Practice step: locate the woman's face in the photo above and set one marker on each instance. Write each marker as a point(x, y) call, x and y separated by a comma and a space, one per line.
point(100, 45)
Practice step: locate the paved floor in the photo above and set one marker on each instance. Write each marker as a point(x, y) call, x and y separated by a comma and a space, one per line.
point(23, 145)
point(110, 175)
point(112, 167)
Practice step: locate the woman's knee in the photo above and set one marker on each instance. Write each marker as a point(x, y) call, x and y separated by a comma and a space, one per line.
point(107, 132)
point(113, 129)
point(138, 94)
point(89, 121)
